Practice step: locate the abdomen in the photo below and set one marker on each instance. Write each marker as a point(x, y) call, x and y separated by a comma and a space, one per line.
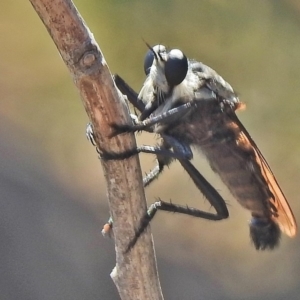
point(231, 155)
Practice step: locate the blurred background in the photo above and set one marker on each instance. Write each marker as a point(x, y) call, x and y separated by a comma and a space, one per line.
point(52, 189)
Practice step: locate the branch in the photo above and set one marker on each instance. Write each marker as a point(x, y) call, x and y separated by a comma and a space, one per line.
point(135, 274)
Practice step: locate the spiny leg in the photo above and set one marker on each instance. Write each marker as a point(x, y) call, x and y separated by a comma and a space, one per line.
point(204, 186)
point(132, 96)
point(175, 208)
point(162, 161)
point(147, 180)
point(180, 150)
point(165, 157)
point(165, 118)
point(147, 122)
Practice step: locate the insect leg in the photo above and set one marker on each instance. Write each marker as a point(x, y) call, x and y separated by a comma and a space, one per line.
point(164, 157)
point(181, 150)
point(132, 96)
point(207, 190)
point(204, 186)
point(158, 150)
point(162, 161)
point(164, 118)
point(201, 183)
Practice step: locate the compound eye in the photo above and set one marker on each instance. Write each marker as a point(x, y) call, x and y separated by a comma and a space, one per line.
point(148, 61)
point(176, 67)
point(157, 52)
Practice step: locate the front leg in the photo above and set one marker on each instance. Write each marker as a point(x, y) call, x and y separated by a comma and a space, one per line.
point(132, 96)
point(165, 118)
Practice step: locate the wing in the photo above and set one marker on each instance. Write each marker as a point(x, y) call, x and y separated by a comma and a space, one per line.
point(281, 211)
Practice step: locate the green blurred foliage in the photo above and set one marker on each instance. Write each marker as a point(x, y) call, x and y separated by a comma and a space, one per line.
point(254, 45)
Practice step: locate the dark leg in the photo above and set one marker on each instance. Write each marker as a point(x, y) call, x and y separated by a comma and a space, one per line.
point(146, 124)
point(132, 96)
point(164, 118)
point(165, 155)
point(162, 161)
point(207, 190)
point(156, 171)
point(204, 186)
point(181, 150)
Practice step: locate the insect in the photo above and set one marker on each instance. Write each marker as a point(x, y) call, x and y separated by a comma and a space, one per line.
point(186, 103)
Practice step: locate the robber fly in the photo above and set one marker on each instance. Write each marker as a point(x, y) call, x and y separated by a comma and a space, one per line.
point(186, 103)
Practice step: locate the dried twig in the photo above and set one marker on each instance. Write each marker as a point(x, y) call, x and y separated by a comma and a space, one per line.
point(135, 273)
